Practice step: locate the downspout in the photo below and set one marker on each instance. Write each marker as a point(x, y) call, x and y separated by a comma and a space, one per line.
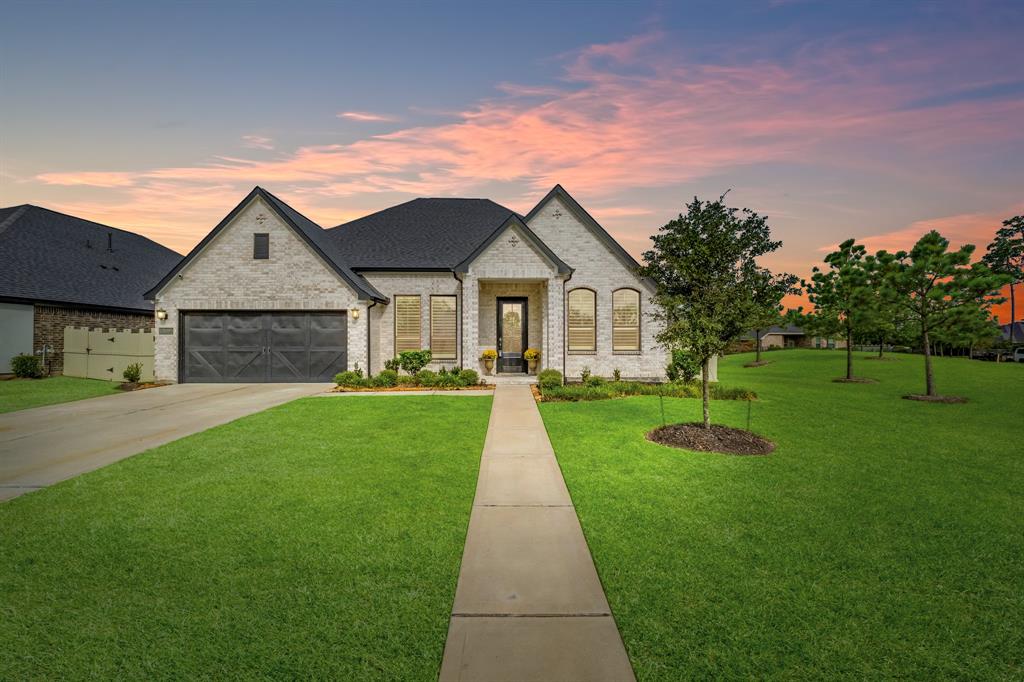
point(369, 333)
point(565, 337)
point(461, 307)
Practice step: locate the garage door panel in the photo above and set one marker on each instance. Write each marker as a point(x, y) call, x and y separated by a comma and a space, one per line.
point(264, 346)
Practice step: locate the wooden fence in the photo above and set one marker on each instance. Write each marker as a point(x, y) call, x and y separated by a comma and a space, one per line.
point(103, 354)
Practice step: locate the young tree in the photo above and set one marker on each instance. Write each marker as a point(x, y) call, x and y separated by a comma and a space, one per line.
point(935, 286)
point(708, 282)
point(766, 308)
point(1006, 256)
point(842, 295)
point(884, 320)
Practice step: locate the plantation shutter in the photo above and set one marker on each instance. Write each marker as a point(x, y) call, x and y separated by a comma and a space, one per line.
point(582, 320)
point(443, 327)
point(407, 324)
point(626, 320)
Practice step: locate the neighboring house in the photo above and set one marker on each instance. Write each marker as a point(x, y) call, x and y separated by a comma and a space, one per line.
point(1018, 332)
point(789, 336)
point(57, 270)
point(268, 295)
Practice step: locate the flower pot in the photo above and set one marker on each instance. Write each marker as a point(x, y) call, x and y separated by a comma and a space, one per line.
point(533, 366)
point(488, 364)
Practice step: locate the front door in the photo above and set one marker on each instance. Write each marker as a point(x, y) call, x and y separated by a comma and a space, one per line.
point(511, 335)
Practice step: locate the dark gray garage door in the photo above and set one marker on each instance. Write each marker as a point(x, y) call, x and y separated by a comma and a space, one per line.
point(263, 347)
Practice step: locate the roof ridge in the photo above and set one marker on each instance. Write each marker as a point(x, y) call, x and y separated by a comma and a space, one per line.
point(24, 208)
point(11, 219)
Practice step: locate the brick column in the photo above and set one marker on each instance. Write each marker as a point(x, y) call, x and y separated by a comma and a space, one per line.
point(471, 323)
point(556, 326)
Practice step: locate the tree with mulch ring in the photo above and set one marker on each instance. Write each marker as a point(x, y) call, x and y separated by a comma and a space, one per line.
point(950, 399)
point(757, 363)
point(721, 439)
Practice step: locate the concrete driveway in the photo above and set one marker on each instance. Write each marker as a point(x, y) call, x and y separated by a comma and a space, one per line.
point(41, 446)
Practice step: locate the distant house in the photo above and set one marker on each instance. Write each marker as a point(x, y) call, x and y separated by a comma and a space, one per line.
point(57, 270)
point(1018, 331)
point(788, 336)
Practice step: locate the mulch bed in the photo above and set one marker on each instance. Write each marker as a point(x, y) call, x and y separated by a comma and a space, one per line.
point(128, 386)
point(762, 363)
point(400, 389)
point(936, 398)
point(855, 380)
point(721, 439)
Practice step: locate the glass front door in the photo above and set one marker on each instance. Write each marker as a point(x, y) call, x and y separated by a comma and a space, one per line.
point(511, 334)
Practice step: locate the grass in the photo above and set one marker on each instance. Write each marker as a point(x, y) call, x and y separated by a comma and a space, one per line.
point(21, 394)
point(319, 540)
point(882, 539)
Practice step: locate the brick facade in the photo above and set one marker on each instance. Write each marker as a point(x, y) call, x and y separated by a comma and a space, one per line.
point(49, 322)
point(225, 276)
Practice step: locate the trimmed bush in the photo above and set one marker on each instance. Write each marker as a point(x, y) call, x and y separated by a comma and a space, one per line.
point(549, 378)
point(426, 377)
point(412, 361)
point(133, 372)
point(404, 380)
point(26, 366)
point(621, 389)
point(447, 380)
point(393, 364)
point(469, 377)
point(683, 367)
point(593, 381)
point(386, 378)
point(349, 379)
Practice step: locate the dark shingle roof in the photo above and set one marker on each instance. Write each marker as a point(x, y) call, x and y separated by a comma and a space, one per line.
point(428, 234)
point(53, 257)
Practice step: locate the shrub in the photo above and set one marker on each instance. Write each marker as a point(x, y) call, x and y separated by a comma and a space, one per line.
point(616, 374)
point(585, 374)
point(426, 377)
point(593, 380)
point(348, 378)
point(469, 377)
point(393, 364)
point(683, 367)
point(447, 380)
point(620, 389)
point(26, 366)
point(405, 380)
point(549, 378)
point(386, 378)
point(412, 361)
point(133, 372)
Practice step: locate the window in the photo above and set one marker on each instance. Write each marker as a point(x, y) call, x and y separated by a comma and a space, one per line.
point(407, 324)
point(261, 246)
point(444, 324)
point(626, 320)
point(582, 320)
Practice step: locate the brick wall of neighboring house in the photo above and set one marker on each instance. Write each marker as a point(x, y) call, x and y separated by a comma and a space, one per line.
point(48, 327)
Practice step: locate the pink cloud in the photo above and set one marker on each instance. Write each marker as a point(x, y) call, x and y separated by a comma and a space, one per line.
point(257, 142)
point(624, 115)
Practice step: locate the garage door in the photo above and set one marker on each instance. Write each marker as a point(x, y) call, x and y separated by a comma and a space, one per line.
point(262, 346)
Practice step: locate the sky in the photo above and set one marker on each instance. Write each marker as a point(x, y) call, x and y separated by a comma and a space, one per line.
point(873, 120)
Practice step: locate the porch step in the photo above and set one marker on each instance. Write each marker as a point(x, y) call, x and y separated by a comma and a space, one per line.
point(511, 379)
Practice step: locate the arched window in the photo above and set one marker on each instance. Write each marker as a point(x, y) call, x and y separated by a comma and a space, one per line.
point(582, 320)
point(626, 320)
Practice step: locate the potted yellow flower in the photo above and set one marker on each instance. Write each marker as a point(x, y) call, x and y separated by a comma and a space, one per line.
point(489, 356)
point(532, 356)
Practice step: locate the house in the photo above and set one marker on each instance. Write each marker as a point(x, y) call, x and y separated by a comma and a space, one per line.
point(1013, 332)
point(57, 270)
point(268, 295)
point(789, 336)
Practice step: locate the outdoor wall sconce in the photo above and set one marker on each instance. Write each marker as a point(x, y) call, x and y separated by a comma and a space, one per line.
point(355, 313)
point(161, 314)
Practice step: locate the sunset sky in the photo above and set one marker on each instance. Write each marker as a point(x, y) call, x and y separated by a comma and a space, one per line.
point(876, 120)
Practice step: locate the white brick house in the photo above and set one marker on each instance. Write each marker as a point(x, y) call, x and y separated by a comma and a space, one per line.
point(269, 295)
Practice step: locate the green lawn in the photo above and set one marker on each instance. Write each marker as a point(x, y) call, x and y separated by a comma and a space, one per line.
point(21, 394)
point(319, 540)
point(884, 538)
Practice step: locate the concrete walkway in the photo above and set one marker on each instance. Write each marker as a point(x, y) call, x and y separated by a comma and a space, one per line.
point(44, 445)
point(529, 605)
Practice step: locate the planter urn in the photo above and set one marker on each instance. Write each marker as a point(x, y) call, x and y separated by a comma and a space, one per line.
point(489, 364)
point(533, 366)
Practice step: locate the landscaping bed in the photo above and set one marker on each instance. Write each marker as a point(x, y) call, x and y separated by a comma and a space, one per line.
point(410, 388)
point(721, 439)
point(599, 389)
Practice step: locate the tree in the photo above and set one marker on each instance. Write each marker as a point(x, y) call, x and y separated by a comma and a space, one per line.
point(767, 308)
point(707, 280)
point(1005, 256)
point(883, 320)
point(842, 294)
point(936, 286)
